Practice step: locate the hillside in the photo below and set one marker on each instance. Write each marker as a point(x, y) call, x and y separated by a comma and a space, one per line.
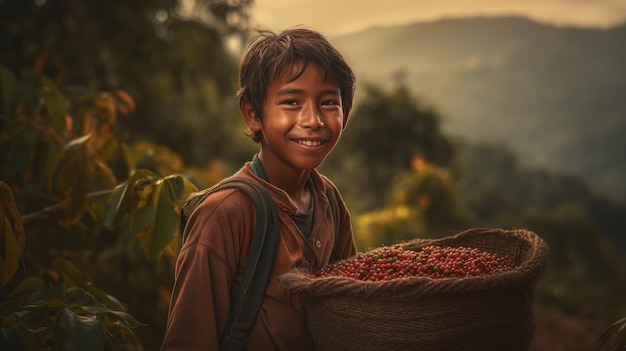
point(555, 95)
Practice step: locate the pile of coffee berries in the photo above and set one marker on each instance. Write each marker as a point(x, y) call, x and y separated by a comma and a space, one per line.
point(393, 262)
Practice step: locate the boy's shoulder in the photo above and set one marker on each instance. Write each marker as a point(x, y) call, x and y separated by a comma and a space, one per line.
point(223, 190)
point(234, 198)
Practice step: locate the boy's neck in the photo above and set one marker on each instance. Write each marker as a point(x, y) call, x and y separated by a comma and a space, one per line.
point(293, 183)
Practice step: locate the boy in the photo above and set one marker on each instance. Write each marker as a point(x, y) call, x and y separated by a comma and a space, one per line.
point(295, 95)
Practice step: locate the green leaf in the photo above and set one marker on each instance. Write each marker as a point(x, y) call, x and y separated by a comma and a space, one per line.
point(26, 286)
point(7, 87)
point(35, 90)
point(72, 272)
point(104, 298)
point(51, 292)
point(54, 163)
point(176, 186)
point(165, 222)
point(54, 100)
point(143, 218)
point(26, 92)
point(120, 205)
point(189, 188)
point(55, 303)
point(124, 317)
point(48, 293)
point(77, 295)
point(111, 211)
point(36, 317)
point(75, 173)
point(74, 332)
point(114, 303)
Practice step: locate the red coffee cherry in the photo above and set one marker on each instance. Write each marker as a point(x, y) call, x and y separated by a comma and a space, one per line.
point(394, 262)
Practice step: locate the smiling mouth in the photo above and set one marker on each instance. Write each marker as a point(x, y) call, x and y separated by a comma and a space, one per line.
point(310, 142)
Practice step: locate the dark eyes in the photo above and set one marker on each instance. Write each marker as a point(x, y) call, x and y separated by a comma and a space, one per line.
point(290, 102)
point(296, 103)
point(330, 102)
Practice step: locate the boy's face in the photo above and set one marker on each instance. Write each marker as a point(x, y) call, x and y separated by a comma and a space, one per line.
point(302, 119)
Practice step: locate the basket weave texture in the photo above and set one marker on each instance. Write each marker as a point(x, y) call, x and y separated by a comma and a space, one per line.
point(487, 312)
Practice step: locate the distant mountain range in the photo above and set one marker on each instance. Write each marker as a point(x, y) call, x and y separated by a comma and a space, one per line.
point(555, 95)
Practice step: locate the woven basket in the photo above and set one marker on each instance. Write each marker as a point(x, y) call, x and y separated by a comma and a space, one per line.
point(488, 312)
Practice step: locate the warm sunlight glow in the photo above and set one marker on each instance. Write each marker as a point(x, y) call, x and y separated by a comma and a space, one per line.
point(341, 17)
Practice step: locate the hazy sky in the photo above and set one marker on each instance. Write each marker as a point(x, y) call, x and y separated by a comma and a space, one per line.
point(333, 17)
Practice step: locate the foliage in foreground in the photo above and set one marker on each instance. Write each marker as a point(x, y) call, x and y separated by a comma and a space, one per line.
point(65, 204)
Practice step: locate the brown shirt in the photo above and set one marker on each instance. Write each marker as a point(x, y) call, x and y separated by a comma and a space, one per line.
point(212, 260)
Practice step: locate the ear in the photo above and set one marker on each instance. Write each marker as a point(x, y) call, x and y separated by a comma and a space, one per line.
point(252, 120)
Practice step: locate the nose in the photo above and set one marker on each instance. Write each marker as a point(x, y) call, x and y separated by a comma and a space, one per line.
point(311, 117)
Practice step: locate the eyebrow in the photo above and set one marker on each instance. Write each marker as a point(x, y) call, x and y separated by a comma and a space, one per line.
point(293, 91)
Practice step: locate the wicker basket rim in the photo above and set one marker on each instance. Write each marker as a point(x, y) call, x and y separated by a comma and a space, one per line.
point(522, 276)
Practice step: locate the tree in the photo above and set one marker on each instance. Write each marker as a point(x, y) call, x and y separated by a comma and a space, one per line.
point(383, 134)
point(585, 274)
point(425, 203)
point(171, 56)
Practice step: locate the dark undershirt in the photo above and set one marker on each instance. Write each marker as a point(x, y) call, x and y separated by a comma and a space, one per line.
point(304, 221)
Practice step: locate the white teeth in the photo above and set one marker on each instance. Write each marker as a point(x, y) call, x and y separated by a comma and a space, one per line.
point(310, 142)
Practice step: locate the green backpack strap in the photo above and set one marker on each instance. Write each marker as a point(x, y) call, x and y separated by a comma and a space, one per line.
point(257, 273)
point(260, 261)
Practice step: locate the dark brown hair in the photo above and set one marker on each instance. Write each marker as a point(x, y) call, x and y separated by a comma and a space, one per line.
point(270, 54)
